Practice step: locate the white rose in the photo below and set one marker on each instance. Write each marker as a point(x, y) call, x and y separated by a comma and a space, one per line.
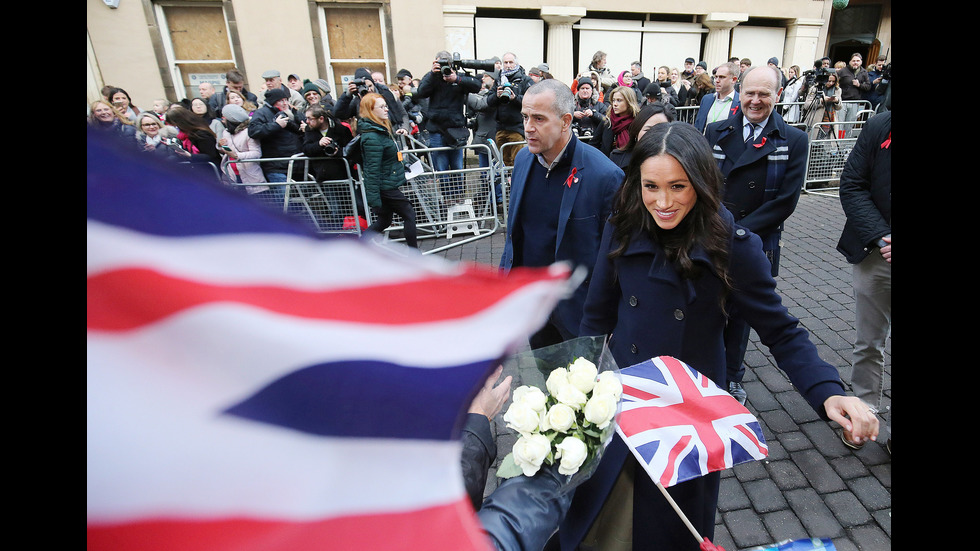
point(560, 417)
point(582, 374)
point(529, 451)
point(571, 396)
point(573, 453)
point(532, 396)
point(608, 383)
point(522, 418)
point(556, 379)
point(600, 410)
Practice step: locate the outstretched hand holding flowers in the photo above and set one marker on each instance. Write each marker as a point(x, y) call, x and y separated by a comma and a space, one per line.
point(570, 425)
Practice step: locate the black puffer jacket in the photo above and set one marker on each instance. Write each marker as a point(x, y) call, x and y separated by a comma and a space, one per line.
point(866, 190)
point(276, 141)
point(446, 100)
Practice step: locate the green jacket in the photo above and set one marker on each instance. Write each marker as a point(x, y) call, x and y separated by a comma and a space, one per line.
point(380, 167)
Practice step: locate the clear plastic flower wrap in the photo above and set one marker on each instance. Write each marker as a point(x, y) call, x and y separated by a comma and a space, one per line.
point(564, 407)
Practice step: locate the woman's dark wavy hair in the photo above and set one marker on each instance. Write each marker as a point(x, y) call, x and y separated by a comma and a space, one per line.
point(703, 225)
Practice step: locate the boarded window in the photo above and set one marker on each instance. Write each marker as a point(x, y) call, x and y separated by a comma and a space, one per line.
point(355, 38)
point(197, 45)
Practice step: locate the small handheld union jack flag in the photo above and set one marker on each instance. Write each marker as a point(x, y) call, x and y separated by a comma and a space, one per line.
point(680, 425)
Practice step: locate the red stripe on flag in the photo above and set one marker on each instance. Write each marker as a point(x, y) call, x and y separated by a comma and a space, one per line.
point(451, 527)
point(641, 395)
point(129, 298)
point(753, 438)
point(672, 459)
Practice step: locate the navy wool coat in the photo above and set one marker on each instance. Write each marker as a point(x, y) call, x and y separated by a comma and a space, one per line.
point(650, 311)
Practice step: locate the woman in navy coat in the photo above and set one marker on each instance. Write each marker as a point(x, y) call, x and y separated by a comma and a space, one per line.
point(671, 262)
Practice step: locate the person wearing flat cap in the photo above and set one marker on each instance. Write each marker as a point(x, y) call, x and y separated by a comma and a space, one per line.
point(273, 80)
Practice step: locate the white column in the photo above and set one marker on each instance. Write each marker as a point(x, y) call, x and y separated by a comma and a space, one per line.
point(802, 36)
point(719, 38)
point(559, 57)
point(458, 23)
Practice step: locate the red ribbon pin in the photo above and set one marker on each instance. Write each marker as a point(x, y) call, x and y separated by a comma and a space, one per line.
point(760, 144)
point(888, 142)
point(571, 177)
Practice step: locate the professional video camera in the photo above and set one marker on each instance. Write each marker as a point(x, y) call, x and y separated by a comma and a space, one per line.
point(447, 66)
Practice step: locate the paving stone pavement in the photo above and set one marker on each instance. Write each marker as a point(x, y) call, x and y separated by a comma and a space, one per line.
point(810, 485)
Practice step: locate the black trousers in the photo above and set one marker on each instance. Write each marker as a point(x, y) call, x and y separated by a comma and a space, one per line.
point(394, 201)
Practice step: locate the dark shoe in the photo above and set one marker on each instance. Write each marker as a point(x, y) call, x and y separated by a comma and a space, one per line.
point(736, 390)
point(845, 437)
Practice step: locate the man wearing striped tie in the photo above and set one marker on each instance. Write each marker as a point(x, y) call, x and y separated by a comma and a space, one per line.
point(764, 163)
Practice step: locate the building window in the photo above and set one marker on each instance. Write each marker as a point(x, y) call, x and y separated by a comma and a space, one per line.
point(197, 45)
point(354, 37)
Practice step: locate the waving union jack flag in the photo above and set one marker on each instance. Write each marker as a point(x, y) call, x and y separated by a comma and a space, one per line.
point(681, 425)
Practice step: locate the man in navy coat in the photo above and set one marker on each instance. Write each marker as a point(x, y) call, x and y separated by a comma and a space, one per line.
point(764, 163)
point(561, 195)
point(724, 77)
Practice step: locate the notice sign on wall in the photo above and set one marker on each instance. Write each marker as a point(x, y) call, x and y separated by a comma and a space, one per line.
point(217, 79)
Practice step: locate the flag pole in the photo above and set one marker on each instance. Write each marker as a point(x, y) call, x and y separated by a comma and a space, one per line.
point(705, 543)
point(673, 504)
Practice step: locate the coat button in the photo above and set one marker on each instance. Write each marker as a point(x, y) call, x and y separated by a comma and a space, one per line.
point(632, 301)
point(633, 348)
point(751, 185)
point(740, 232)
point(678, 314)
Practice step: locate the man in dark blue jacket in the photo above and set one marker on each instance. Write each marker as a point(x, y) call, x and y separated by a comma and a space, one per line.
point(764, 163)
point(561, 194)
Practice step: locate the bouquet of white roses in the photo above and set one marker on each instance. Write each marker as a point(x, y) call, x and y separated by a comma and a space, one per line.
point(571, 419)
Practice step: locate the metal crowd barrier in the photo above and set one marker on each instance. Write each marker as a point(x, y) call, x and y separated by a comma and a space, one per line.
point(448, 202)
point(330, 207)
point(505, 172)
point(829, 149)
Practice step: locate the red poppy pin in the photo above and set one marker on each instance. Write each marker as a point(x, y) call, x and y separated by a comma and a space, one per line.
point(888, 142)
point(571, 177)
point(760, 144)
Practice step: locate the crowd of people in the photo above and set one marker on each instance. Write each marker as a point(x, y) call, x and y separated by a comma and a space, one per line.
point(450, 106)
point(679, 229)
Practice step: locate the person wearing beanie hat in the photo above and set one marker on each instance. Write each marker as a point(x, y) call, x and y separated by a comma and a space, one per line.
point(234, 114)
point(311, 93)
point(589, 112)
point(271, 97)
point(349, 103)
point(276, 125)
point(774, 63)
point(238, 145)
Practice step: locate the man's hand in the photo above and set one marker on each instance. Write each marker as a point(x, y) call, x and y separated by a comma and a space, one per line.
point(886, 251)
point(325, 141)
point(490, 400)
point(854, 415)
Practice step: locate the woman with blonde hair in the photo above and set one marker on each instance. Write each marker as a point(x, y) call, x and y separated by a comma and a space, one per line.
point(382, 170)
point(106, 118)
point(614, 132)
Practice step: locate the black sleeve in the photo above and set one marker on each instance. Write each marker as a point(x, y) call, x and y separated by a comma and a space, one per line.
point(479, 452)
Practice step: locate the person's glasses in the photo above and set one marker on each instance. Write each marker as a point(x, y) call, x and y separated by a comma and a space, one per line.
point(150, 124)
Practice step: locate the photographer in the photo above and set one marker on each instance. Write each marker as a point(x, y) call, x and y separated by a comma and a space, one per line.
point(823, 101)
point(447, 90)
point(325, 136)
point(588, 113)
point(507, 102)
point(482, 120)
point(347, 106)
